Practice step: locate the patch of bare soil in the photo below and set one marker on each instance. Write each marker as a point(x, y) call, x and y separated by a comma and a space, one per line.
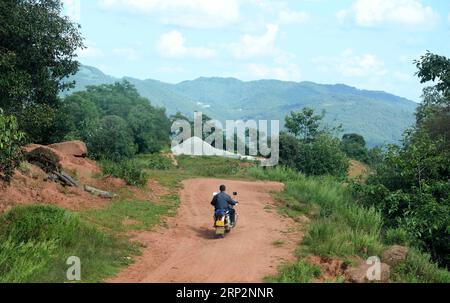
point(186, 250)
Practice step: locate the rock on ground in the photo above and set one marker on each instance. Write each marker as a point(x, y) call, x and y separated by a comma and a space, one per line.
point(360, 273)
point(71, 148)
point(395, 255)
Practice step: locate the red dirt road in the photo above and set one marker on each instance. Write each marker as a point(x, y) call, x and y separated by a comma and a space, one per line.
point(186, 251)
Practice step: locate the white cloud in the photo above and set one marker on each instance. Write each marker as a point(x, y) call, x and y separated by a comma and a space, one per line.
point(90, 51)
point(170, 69)
point(256, 46)
point(187, 13)
point(350, 65)
point(129, 54)
point(370, 13)
point(287, 16)
point(173, 45)
point(284, 72)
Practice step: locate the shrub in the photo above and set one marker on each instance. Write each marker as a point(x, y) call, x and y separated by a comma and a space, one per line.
point(35, 242)
point(398, 236)
point(129, 170)
point(156, 161)
point(44, 158)
point(323, 157)
point(10, 141)
point(419, 268)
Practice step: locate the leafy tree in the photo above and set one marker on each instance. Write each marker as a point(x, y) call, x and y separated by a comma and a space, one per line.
point(113, 139)
point(37, 50)
point(150, 126)
point(411, 187)
point(290, 149)
point(435, 68)
point(80, 116)
point(323, 157)
point(305, 125)
point(354, 146)
point(10, 152)
point(309, 148)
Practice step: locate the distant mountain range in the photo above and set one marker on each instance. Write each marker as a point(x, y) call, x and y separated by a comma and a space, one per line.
point(379, 116)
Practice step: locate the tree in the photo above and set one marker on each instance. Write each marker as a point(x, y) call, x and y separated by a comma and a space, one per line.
point(305, 125)
point(432, 67)
point(290, 149)
point(323, 157)
point(113, 140)
point(310, 149)
point(10, 152)
point(151, 128)
point(411, 187)
point(354, 146)
point(37, 51)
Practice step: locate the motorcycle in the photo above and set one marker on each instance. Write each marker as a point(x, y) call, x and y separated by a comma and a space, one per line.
point(222, 222)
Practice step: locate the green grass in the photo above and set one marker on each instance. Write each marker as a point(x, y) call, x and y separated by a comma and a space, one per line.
point(299, 272)
point(198, 167)
point(155, 161)
point(37, 240)
point(341, 228)
point(141, 215)
point(132, 171)
point(278, 243)
point(418, 268)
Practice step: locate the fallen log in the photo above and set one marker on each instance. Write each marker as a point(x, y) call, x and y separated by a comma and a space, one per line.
point(65, 179)
point(98, 192)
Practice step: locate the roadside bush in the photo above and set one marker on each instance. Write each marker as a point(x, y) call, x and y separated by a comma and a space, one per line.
point(398, 236)
point(323, 157)
point(419, 268)
point(156, 161)
point(35, 242)
point(130, 170)
point(10, 141)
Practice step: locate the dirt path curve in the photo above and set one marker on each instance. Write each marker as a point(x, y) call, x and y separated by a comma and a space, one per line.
point(186, 251)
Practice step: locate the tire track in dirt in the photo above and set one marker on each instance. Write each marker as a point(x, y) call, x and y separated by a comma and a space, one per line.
point(186, 251)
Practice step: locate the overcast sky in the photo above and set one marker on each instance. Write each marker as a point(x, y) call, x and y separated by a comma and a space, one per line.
point(369, 44)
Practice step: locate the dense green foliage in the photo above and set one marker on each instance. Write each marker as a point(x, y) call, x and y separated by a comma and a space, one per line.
point(156, 161)
point(111, 139)
point(359, 111)
point(36, 241)
point(10, 152)
point(411, 186)
point(115, 121)
point(37, 50)
point(354, 146)
point(129, 170)
point(309, 148)
point(341, 227)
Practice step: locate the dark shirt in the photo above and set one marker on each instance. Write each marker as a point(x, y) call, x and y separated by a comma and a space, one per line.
point(222, 201)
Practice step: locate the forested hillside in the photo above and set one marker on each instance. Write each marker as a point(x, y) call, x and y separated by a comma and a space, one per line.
point(359, 111)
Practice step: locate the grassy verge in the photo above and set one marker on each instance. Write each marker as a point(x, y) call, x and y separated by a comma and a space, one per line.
point(35, 242)
point(122, 216)
point(341, 228)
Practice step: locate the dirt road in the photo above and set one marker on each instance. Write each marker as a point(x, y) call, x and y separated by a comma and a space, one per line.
point(186, 251)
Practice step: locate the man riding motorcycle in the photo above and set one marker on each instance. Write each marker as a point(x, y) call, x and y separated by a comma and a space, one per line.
point(223, 202)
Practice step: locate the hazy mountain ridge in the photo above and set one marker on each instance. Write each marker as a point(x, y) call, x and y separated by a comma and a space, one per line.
point(379, 116)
